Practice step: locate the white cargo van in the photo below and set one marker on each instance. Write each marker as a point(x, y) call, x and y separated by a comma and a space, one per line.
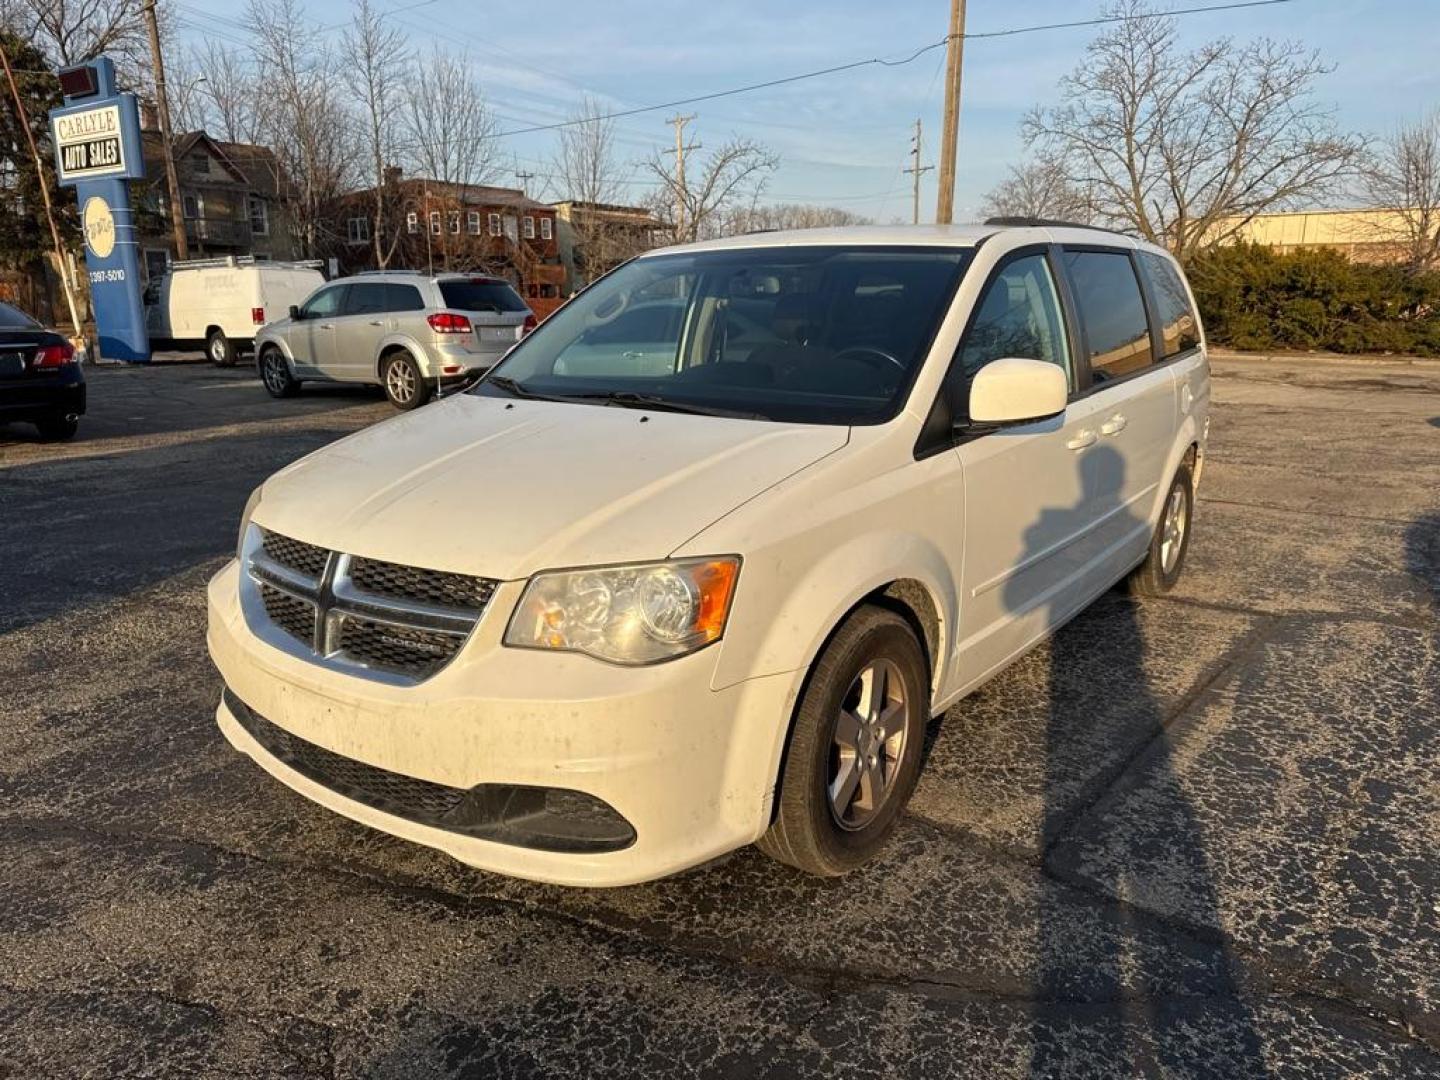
point(220, 304)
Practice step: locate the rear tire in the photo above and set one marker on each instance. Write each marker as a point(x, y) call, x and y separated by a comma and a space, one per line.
point(855, 747)
point(404, 385)
point(220, 349)
point(275, 373)
point(58, 427)
point(1158, 574)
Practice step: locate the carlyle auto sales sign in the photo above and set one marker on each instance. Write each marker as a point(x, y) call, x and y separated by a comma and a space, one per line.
point(88, 144)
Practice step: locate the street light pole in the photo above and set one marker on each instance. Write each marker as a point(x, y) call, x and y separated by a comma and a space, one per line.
point(950, 132)
point(162, 105)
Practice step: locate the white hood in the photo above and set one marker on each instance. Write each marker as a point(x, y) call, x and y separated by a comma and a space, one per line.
point(502, 488)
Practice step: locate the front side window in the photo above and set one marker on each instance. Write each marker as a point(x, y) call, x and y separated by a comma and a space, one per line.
point(1018, 315)
point(829, 335)
point(324, 303)
point(1112, 311)
point(1179, 328)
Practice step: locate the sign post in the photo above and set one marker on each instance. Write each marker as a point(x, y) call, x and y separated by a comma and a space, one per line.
point(97, 152)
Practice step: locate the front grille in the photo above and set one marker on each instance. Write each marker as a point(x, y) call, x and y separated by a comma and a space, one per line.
point(304, 558)
point(547, 819)
point(291, 614)
point(397, 648)
point(428, 586)
point(366, 615)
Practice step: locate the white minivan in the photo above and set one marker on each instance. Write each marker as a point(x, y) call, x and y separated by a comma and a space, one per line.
point(696, 563)
point(221, 304)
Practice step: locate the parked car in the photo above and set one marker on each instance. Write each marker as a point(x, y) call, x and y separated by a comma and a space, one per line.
point(40, 378)
point(408, 332)
point(594, 626)
point(219, 304)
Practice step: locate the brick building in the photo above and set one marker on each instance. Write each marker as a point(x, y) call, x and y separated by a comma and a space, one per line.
point(435, 227)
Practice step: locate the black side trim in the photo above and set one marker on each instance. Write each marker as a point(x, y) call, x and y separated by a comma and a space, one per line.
point(544, 819)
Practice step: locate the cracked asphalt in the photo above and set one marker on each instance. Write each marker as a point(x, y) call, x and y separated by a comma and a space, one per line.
point(1193, 836)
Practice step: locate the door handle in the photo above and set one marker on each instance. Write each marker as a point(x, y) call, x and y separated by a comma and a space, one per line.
point(1083, 438)
point(376, 322)
point(1114, 425)
point(327, 326)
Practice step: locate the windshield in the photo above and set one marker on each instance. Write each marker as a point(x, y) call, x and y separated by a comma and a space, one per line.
point(13, 319)
point(481, 295)
point(825, 335)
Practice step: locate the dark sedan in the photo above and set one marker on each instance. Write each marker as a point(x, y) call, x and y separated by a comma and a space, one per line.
point(40, 380)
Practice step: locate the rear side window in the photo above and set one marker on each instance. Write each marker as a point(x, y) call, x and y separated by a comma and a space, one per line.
point(1179, 328)
point(403, 298)
point(1107, 294)
point(366, 298)
point(481, 295)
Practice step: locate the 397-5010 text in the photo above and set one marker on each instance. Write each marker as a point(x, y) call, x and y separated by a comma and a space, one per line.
point(99, 276)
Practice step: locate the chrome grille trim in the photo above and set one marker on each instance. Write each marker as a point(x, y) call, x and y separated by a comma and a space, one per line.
point(427, 635)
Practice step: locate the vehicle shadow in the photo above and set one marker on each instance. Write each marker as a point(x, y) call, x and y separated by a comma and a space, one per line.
point(1422, 552)
point(1099, 980)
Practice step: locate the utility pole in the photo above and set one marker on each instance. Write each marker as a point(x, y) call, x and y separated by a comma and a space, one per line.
point(950, 132)
point(917, 169)
point(681, 192)
point(524, 178)
point(162, 105)
point(60, 266)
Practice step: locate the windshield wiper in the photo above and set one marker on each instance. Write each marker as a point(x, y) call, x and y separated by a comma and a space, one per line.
point(504, 382)
point(629, 399)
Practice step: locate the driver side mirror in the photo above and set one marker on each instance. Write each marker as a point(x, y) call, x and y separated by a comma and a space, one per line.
point(1017, 391)
point(295, 312)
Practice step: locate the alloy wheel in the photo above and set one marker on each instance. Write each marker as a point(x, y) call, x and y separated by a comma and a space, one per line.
point(1172, 530)
point(400, 381)
point(868, 744)
point(275, 373)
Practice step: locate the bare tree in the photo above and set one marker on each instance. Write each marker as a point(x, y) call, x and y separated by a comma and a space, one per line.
point(1038, 189)
point(587, 169)
point(69, 31)
point(729, 178)
point(1186, 148)
point(1403, 176)
point(233, 107)
point(376, 59)
point(450, 138)
point(303, 117)
point(778, 217)
point(185, 88)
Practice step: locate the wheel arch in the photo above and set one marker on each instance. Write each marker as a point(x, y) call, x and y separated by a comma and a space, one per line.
point(393, 344)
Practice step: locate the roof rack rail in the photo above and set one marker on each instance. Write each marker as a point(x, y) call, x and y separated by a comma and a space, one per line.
point(362, 273)
point(233, 261)
point(1020, 222)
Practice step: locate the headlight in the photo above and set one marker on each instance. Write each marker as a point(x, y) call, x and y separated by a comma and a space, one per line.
point(627, 614)
point(245, 520)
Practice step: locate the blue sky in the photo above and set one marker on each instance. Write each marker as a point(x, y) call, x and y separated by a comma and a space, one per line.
point(843, 139)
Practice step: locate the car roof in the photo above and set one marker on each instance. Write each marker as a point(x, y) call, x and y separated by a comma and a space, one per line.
point(954, 236)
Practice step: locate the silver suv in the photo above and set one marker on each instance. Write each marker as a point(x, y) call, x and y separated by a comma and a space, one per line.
point(405, 331)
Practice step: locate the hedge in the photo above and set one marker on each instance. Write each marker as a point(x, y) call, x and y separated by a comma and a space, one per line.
point(1253, 297)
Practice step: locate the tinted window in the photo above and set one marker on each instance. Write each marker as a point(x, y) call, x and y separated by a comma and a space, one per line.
point(365, 298)
point(10, 316)
point(1179, 329)
point(403, 298)
point(325, 302)
point(818, 335)
point(480, 295)
point(1018, 315)
point(1112, 311)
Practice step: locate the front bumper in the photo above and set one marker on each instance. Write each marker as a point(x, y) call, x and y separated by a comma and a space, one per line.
point(691, 769)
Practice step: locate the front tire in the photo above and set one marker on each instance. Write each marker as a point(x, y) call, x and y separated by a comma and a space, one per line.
point(275, 374)
point(404, 385)
point(220, 349)
point(854, 752)
point(1158, 574)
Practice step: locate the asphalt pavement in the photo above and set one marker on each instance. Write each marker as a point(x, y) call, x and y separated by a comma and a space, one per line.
point(1193, 836)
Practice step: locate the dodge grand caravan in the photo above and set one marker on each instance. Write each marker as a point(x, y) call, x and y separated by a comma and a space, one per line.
point(694, 566)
